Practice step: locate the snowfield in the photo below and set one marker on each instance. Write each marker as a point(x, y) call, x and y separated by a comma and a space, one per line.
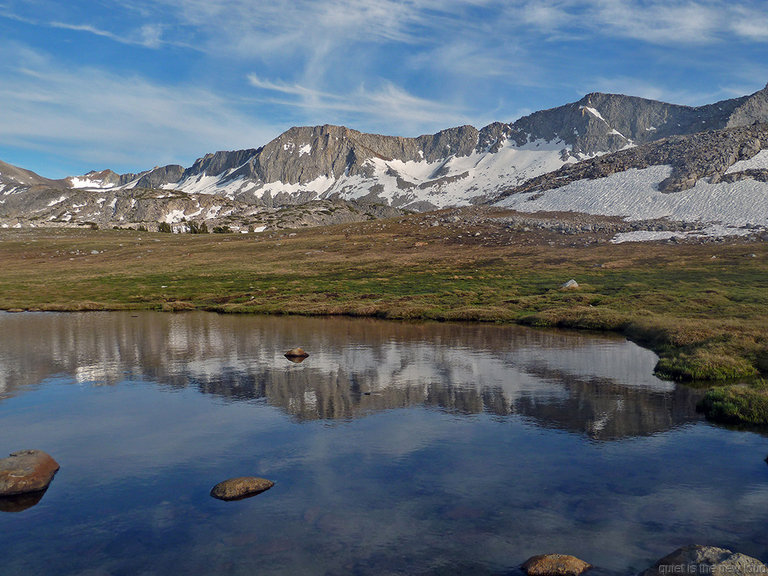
point(634, 195)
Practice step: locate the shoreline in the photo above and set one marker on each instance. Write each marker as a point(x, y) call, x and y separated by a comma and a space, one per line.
point(702, 308)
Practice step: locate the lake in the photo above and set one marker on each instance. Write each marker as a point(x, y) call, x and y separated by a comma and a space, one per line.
point(395, 448)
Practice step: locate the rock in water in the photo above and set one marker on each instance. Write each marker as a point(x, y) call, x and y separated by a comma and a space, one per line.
point(295, 353)
point(26, 471)
point(239, 488)
point(555, 565)
point(570, 285)
point(707, 560)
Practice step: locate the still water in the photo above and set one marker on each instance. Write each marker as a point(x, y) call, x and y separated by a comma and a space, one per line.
point(396, 448)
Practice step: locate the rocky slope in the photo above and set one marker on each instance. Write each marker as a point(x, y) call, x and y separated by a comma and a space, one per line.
point(600, 135)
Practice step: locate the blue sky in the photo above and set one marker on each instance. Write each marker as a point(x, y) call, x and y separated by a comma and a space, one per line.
point(130, 84)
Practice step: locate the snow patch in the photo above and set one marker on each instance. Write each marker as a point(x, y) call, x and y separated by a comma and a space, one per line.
point(84, 182)
point(59, 201)
point(305, 149)
point(318, 185)
point(594, 113)
point(174, 216)
point(634, 194)
point(758, 162)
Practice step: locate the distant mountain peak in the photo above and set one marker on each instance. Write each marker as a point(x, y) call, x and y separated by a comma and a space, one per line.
point(456, 166)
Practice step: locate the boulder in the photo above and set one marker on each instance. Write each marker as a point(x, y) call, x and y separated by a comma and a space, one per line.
point(26, 471)
point(296, 353)
point(239, 488)
point(555, 565)
point(570, 285)
point(706, 560)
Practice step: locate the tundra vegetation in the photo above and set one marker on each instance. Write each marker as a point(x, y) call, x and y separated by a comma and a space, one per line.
point(702, 307)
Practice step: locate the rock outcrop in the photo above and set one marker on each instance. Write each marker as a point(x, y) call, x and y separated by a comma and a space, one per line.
point(26, 471)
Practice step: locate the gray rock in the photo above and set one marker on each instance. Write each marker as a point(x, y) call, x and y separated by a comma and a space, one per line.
point(570, 285)
point(706, 560)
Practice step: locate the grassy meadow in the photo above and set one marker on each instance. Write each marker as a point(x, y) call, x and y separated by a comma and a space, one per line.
point(702, 307)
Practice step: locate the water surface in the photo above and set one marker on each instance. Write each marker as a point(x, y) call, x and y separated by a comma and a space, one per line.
point(396, 448)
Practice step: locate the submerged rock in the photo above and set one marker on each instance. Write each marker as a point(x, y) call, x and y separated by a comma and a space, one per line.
point(26, 471)
point(239, 488)
point(555, 565)
point(706, 560)
point(296, 353)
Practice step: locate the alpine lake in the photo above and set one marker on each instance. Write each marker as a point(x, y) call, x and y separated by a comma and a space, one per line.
point(395, 448)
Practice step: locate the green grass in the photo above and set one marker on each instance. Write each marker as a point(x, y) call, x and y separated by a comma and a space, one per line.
point(737, 404)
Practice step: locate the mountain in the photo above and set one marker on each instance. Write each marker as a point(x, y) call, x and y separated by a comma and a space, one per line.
point(454, 167)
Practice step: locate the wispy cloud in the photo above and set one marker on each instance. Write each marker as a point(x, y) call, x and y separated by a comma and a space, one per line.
point(106, 119)
point(148, 35)
point(391, 106)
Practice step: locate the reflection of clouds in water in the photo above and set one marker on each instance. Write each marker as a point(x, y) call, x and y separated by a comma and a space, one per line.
point(357, 367)
point(401, 491)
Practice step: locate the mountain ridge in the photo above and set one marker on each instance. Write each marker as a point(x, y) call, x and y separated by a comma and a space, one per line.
point(457, 166)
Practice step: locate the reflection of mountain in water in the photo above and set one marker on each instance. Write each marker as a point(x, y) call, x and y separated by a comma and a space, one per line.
point(601, 386)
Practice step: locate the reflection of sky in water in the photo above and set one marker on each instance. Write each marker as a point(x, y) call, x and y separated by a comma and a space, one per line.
point(403, 490)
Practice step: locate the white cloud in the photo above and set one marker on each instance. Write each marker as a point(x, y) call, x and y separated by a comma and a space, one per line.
point(388, 106)
point(104, 119)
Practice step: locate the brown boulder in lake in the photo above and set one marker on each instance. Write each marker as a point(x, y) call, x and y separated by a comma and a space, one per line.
point(296, 353)
point(555, 565)
point(26, 471)
point(708, 560)
point(239, 488)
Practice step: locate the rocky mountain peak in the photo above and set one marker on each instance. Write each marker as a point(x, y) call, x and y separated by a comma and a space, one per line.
point(753, 109)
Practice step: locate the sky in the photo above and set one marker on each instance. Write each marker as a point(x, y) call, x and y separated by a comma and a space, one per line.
point(133, 84)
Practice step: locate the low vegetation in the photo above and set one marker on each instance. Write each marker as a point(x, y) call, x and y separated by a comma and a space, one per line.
point(737, 404)
point(702, 307)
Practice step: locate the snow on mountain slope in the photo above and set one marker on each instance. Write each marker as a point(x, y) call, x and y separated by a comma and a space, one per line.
point(634, 195)
point(758, 162)
point(451, 181)
point(456, 180)
point(89, 184)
